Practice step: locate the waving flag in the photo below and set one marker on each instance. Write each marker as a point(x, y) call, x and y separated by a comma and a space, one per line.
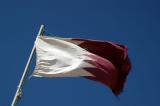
point(101, 61)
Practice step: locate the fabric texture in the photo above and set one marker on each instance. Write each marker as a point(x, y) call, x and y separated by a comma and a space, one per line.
point(101, 61)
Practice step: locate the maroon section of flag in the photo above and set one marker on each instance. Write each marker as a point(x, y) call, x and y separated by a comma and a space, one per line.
point(111, 62)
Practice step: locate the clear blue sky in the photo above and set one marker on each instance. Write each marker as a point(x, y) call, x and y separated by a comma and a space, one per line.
point(135, 23)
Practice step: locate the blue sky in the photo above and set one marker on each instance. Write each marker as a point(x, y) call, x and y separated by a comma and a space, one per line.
point(134, 23)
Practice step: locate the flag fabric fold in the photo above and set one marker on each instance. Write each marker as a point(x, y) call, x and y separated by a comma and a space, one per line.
point(101, 61)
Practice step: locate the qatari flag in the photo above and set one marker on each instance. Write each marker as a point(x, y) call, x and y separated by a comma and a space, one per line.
point(101, 61)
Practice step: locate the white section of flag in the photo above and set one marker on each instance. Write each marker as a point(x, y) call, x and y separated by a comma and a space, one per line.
point(59, 58)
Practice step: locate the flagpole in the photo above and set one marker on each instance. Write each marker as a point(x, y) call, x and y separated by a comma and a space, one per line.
point(20, 86)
